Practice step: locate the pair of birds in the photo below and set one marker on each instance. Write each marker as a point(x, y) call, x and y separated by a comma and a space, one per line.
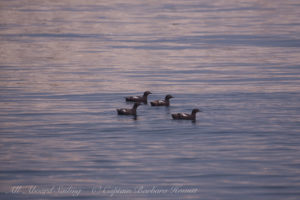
point(166, 102)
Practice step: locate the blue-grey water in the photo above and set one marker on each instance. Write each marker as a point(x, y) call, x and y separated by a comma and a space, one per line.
point(65, 67)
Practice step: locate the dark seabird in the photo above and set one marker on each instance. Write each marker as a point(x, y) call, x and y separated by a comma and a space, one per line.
point(165, 102)
point(139, 98)
point(128, 111)
point(186, 116)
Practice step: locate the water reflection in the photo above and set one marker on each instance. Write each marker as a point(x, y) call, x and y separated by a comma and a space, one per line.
point(66, 66)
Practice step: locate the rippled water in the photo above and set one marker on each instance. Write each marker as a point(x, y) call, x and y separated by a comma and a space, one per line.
point(65, 67)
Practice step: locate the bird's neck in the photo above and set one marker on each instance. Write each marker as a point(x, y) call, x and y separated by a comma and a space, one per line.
point(134, 107)
point(193, 115)
point(134, 111)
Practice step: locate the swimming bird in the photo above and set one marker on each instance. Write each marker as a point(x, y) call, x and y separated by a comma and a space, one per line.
point(165, 102)
point(186, 116)
point(139, 98)
point(128, 111)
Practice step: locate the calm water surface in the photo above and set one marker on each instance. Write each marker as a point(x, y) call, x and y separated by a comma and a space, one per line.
point(65, 67)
